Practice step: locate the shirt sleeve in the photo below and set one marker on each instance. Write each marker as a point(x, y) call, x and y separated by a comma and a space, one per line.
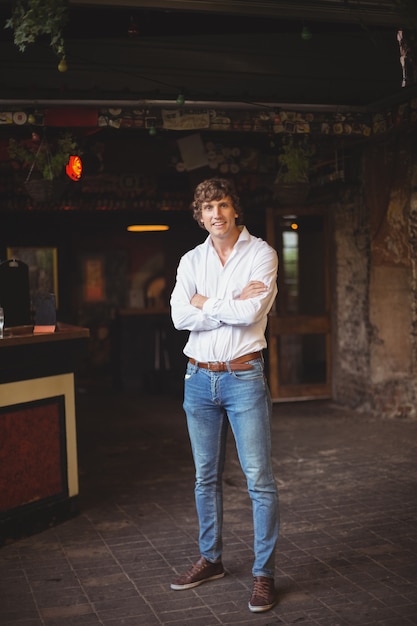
point(184, 315)
point(235, 312)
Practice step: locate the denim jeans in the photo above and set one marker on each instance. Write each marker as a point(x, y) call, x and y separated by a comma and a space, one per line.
point(212, 401)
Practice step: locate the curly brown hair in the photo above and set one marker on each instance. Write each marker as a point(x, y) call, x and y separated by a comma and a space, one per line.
point(215, 189)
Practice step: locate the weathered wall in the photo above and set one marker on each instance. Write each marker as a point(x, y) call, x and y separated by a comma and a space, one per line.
point(375, 323)
point(351, 329)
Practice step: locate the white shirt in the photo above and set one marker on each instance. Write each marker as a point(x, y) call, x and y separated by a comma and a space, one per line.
point(226, 327)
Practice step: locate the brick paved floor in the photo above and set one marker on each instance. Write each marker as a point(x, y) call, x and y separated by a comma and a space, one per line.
point(348, 547)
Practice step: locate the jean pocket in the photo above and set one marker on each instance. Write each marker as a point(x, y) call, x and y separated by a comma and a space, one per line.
point(257, 371)
point(190, 370)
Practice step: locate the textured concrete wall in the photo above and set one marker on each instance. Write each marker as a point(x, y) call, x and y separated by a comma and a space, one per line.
point(375, 299)
point(351, 329)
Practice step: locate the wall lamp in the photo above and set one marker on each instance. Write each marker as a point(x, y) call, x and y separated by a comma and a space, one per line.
point(147, 228)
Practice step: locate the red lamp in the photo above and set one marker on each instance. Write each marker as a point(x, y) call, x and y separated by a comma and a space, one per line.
point(74, 167)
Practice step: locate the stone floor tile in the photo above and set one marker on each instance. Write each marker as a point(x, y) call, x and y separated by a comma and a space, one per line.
point(348, 545)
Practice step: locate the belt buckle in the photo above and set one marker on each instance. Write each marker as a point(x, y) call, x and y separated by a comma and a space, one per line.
point(216, 366)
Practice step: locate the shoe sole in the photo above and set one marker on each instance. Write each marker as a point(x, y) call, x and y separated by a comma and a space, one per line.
point(197, 583)
point(261, 609)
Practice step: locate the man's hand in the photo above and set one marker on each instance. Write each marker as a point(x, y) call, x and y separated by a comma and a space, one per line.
point(253, 288)
point(198, 301)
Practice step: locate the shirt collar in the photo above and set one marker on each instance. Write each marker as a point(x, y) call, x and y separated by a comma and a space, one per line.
point(244, 236)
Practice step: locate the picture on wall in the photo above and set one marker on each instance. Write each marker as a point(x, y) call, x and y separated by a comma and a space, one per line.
point(94, 284)
point(43, 269)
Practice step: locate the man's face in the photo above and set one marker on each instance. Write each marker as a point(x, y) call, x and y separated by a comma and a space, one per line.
point(219, 217)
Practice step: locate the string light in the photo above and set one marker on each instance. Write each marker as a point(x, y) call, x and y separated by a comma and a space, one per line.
point(132, 31)
point(63, 65)
point(306, 34)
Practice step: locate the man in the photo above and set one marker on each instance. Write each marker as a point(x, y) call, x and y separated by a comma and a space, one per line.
point(224, 290)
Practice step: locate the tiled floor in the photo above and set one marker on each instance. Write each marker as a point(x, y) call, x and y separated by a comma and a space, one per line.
point(348, 547)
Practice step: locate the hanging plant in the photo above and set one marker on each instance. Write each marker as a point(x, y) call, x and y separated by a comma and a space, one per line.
point(292, 182)
point(32, 19)
point(47, 160)
point(294, 160)
point(44, 165)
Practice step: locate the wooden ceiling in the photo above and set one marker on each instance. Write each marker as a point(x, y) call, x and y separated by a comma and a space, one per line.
point(234, 52)
point(377, 12)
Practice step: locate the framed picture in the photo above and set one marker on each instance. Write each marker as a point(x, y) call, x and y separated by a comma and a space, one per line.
point(94, 282)
point(43, 268)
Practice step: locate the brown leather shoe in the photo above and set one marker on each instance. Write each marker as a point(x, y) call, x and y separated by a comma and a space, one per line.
point(263, 594)
point(199, 573)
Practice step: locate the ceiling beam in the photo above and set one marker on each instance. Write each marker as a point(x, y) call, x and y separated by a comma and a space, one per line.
point(375, 12)
point(189, 104)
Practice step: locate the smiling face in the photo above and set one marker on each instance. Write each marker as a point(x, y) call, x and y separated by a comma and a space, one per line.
point(215, 191)
point(218, 217)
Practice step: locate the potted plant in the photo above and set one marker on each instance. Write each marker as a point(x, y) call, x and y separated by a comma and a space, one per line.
point(44, 164)
point(292, 184)
point(32, 19)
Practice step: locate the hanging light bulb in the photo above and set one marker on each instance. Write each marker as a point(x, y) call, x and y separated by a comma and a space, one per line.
point(62, 65)
point(306, 34)
point(132, 31)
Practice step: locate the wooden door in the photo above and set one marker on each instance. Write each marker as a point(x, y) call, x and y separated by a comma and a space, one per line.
point(299, 328)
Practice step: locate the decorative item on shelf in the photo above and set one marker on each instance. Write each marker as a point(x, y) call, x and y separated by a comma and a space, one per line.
point(46, 180)
point(292, 184)
point(32, 19)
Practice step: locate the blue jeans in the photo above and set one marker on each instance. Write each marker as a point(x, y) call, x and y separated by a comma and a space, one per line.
point(212, 400)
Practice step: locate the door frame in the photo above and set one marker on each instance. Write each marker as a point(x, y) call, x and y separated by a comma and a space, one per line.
point(299, 324)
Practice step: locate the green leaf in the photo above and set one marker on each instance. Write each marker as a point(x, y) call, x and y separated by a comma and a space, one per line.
point(32, 19)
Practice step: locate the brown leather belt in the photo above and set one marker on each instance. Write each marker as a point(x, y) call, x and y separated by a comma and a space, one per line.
point(241, 363)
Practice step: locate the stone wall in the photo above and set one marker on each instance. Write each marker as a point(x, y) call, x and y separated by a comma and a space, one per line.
point(351, 328)
point(375, 286)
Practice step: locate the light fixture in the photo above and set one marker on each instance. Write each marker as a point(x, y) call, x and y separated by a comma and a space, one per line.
point(132, 30)
point(306, 34)
point(147, 228)
point(63, 65)
point(74, 167)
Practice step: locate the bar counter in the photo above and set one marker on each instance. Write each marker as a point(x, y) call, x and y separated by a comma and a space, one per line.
point(38, 450)
point(25, 335)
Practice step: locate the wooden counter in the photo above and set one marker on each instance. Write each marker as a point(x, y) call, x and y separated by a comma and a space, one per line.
point(38, 468)
point(24, 335)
